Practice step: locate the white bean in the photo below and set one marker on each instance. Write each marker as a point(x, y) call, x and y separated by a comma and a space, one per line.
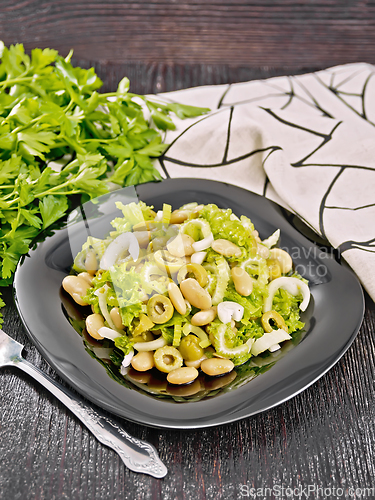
point(182, 375)
point(93, 323)
point(76, 287)
point(195, 294)
point(226, 248)
point(204, 317)
point(242, 281)
point(283, 258)
point(217, 366)
point(143, 361)
point(176, 298)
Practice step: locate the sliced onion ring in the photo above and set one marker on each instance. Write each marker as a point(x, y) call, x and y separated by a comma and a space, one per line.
point(203, 244)
point(125, 241)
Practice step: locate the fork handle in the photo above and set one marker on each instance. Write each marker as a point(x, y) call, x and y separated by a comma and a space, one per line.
point(137, 455)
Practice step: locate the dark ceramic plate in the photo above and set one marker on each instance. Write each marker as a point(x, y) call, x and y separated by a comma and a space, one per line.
point(332, 319)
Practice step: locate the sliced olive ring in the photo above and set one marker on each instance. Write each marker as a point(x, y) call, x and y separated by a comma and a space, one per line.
point(144, 325)
point(198, 272)
point(159, 309)
point(276, 317)
point(143, 337)
point(167, 358)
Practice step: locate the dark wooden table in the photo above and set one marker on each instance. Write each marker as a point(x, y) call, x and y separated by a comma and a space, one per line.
point(322, 439)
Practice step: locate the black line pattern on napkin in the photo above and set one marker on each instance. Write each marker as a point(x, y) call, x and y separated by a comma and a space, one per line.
point(323, 202)
point(294, 90)
point(340, 94)
point(225, 156)
point(277, 91)
point(351, 208)
point(206, 117)
point(291, 94)
point(221, 164)
point(266, 180)
point(326, 137)
point(366, 246)
point(356, 167)
point(253, 100)
point(336, 72)
point(223, 97)
point(167, 158)
point(266, 184)
point(313, 100)
point(161, 161)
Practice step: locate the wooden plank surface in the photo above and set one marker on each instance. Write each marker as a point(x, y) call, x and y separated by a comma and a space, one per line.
point(256, 33)
point(324, 437)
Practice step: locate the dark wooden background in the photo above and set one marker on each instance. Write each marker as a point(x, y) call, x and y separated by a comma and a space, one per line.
point(259, 33)
point(323, 437)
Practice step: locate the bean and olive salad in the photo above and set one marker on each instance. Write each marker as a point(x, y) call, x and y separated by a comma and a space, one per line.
point(187, 290)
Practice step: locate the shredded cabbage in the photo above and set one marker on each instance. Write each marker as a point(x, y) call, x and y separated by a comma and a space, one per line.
point(97, 245)
point(198, 229)
point(129, 284)
point(177, 335)
point(167, 210)
point(222, 226)
point(133, 214)
point(222, 279)
point(226, 344)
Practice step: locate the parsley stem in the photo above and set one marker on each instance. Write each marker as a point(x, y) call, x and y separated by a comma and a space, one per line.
point(44, 193)
point(12, 81)
point(99, 140)
point(69, 106)
point(5, 197)
point(57, 145)
point(31, 122)
point(53, 189)
point(94, 131)
point(65, 193)
point(13, 201)
point(111, 94)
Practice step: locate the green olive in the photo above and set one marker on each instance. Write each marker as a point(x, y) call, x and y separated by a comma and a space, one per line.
point(144, 325)
point(159, 309)
point(190, 348)
point(142, 337)
point(276, 318)
point(167, 358)
point(198, 272)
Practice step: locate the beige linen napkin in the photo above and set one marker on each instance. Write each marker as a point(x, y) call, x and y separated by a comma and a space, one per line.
point(306, 142)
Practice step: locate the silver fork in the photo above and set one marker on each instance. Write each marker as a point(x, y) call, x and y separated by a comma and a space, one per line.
point(137, 455)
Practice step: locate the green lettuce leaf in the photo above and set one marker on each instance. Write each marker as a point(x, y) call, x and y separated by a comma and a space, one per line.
point(124, 344)
point(133, 213)
point(252, 304)
point(288, 306)
point(222, 226)
point(227, 343)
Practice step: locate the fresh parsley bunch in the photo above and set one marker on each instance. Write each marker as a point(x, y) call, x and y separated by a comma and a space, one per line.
point(60, 137)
